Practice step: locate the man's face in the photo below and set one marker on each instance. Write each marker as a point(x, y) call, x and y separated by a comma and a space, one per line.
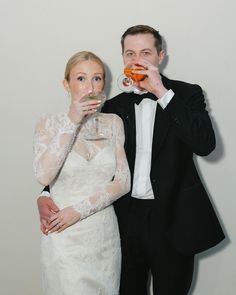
point(141, 47)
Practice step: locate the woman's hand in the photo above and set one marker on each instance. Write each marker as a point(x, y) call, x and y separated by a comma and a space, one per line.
point(63, 219)
point(81, 108)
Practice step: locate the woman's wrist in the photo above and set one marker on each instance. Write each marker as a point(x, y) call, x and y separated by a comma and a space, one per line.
point(74, 120)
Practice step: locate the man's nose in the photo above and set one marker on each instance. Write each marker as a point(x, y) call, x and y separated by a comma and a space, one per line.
point(135, 59)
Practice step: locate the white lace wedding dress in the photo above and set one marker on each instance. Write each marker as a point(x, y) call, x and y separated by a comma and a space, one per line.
point(84, 259)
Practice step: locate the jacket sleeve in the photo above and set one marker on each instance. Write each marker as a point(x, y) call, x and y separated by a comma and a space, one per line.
point(190, 119)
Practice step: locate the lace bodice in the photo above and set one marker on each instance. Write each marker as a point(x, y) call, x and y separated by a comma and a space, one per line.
point(88, 175)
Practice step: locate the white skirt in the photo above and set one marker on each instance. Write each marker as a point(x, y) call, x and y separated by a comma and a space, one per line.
point(84, 259)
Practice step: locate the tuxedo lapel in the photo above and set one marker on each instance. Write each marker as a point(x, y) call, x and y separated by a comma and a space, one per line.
point(161, 125)
point(130, 133)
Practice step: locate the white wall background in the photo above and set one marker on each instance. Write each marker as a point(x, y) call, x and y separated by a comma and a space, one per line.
point(37, 38)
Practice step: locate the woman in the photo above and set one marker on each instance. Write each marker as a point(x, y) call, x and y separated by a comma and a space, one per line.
point(81, 255)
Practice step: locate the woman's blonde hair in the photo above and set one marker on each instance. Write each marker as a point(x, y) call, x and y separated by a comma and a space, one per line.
point(79, 57)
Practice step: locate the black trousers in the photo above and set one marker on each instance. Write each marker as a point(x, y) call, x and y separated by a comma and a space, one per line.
point(145, 249)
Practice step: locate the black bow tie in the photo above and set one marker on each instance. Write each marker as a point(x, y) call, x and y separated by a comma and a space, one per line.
point(137, 98)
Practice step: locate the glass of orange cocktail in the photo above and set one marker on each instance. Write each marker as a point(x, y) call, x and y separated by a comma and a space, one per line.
point(129, 77)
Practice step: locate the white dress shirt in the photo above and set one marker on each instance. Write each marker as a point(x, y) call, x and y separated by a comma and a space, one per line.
point(144, 118)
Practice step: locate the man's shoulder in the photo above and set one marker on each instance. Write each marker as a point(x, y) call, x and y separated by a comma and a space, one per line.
point(117, 103)
point(119, 98)
point(178, 84)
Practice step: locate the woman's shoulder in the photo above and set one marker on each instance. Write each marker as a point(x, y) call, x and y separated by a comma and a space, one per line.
point(52, 119)
point(53, 116)
point(113, 118)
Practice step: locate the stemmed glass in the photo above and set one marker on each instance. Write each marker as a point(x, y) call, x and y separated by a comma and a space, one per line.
point(94, 131)
point(126, 80)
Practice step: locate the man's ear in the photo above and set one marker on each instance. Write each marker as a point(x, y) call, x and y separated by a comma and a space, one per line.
point(161, 56)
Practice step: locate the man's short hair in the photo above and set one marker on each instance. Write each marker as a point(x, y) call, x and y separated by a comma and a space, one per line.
point(143, 29)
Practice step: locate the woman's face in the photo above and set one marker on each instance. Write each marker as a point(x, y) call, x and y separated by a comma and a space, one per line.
point(85, 77)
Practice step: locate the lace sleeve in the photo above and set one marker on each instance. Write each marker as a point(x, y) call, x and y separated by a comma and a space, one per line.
point(53, 138)
point(120, 184)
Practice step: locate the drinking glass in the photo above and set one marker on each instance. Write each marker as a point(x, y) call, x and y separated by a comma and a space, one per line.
point(126, 80)
point(94, 131)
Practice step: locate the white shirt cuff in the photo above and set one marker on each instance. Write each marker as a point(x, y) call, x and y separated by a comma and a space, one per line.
point(165, 99)
point(45, 194)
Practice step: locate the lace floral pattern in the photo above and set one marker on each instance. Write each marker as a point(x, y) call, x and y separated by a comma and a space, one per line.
point(54, 135)
point(57, 138)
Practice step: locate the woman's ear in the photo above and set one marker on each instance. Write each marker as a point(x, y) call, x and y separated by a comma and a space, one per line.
point(66, 85)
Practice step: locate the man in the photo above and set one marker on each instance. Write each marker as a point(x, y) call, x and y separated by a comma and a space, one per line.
point(167, 216)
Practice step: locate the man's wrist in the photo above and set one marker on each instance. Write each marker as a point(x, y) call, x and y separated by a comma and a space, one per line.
point(166, 98)
point(160, 92)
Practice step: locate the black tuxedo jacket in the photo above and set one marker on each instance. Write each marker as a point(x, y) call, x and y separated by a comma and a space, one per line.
point(182, 129)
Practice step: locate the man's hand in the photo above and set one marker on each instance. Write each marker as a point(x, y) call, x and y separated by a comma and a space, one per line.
point(46, 208)
point(153, 82)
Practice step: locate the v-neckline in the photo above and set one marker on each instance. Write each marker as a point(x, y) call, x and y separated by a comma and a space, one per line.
point(90, 159)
